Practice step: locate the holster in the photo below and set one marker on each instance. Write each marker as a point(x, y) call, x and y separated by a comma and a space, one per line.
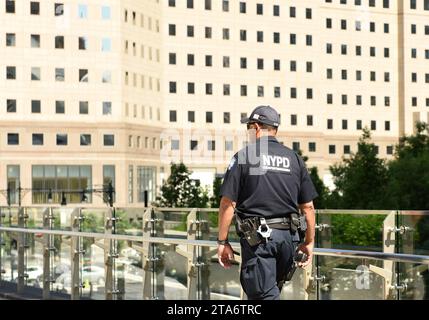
point(248, 229)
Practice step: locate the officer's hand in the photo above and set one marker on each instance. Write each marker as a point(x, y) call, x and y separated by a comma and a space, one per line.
point(308, 250)
point(225, 255)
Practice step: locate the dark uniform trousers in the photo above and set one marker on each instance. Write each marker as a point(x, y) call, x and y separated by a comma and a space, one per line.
point(265, 264)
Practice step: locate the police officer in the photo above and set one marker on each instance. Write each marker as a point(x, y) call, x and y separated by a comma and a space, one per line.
point(265, 185)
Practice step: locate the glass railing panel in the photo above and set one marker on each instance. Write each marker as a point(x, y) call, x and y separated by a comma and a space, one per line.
point(174, 223)
point(9, 257)
point(60, 264)
point(340, 278)
point(92, 268)
point(413, 281)
point(351, 230)
point(128, 271)
point(93, 219)
point(63, 217)
point(175, 266)
point(130, 221)
point(413, 232)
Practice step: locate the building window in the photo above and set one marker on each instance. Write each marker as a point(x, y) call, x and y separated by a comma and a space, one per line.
point(309, 40)
point(296, 146)
point(387, 77)
point(37, 139)
point(146, 183)
point(106, 45)
point(344, 124)
point(173, 116)
point(11, 105)
point(208, 32)
point(328, 23)
point(108, 140)
point(344, 99)
point(191, 116)
point(312, 146)
point(67, 178)
point(276, 64)
point(172, 58)
point(226, 117)
point(83, 11)
point(190, 31)
point(242, 7)
point(308, 13)
point(59, 42)
point(211, 145)
point(372, 51)
point(209, 61)
point(229, 145)
point(83, 107)
point(107, 108)
point(209, 88)
point(359, 100)
point(372, 26)
point(193, 145)
point(309, 93)
point(358, 124)
point(209, 117)
point(243, 35)
point(414, 101)
point(243, 63)
point(260, 91)
point(346, 149)
point(293, 66)
point(343, 49)
point(358, 51)
point(243, 90)
point(309, 120)
point(13, 182)
point(208, 4)
point(259, 9)
point(343, 24)
point(292, 12)
point(260, 36)
point(59, 74)
point(225, 5)
point(130, 184)
point(426, 5)
point(292, 38)
point(59, 107)
point(277, 92)
point(83, 75)
point(35, 40)
point(171, 3)
point(389, 150)
point(373, 100)
point(387, 125)
point(329, 48)
point(191, 60)
point(105, 13)
point(330, 124)
point(225, 33)
point(276, 10)
point(59, 9)
point(34, 8)
point(293, 119)
point(386, 4)
point(62, 139)
point(172, 87)
point(293, 93)
point(226, 89)
point(10, 39)
point(171, 29)
point(13, 139)
point(225, 62)
point(191, 88)
point(331, 149)
point(35, 74)
point(373, 125)
point(329, 98)
point(386, 28)
point(10, 6)
point(276, 37)
point(35, 106)
point(260, 64)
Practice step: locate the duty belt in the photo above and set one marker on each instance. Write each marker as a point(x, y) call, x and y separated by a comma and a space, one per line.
point(279, 223)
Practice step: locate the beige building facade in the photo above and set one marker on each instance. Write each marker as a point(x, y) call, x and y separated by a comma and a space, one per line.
point(101, 91)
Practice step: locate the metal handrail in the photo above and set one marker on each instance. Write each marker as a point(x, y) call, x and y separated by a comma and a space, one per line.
point(407, 258)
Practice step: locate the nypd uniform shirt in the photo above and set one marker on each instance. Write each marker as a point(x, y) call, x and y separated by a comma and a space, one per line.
point(267, 179)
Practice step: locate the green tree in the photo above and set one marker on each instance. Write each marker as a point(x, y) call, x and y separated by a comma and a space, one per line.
point(408, 185)
point(321, 201)
point(215, 199)
point(181, 191)
point(361, 179)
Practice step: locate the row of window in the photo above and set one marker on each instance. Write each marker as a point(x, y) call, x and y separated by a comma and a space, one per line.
point(242, 6)
point(371, 3)
point(61, 139)
point(143, 48)
point(60, 107)
point(36, 74)
point(82, 44)
point(386, 3)
point(293, 120)
point(373, 100)
point(82, 11)
point(358, 75)
point(144, 20)
point(358, 25)
point(358, 50)
point(144, 111)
